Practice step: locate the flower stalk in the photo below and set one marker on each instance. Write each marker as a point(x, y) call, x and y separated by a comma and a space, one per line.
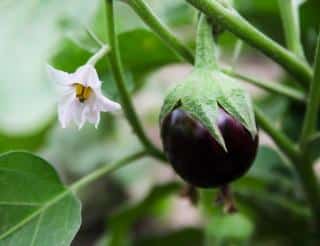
point(99, 55)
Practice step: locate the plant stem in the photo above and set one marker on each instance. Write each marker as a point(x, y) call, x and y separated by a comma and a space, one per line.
point(309, 127)
point(289, 10)
point(94, 37)
point(118, 74)
point(235, 23)
point(301, 163)
point(236, 53)
point(310, 120)
point(310, 186)
point(97, 56)
point(150, 19)
point(205, 49)
point(163, 32)
point(106, 170)
point(284, 143)
point(270, 86)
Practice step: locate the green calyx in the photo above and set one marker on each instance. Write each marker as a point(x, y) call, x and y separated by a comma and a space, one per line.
point(206, 89)
point(203, 92)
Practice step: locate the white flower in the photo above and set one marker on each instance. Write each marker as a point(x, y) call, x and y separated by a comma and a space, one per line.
point(81, 96)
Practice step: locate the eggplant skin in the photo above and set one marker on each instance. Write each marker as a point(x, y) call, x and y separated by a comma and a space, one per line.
point(198, 158)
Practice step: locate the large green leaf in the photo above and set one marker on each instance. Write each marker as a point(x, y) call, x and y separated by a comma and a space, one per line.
point(35, 208)
point(142, 51)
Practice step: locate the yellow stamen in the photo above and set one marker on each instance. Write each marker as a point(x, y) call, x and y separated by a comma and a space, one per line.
point(82, 92)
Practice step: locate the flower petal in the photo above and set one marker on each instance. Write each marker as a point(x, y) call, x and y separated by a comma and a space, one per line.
point(65, 109)
point(94, 117)
point(105, 104)
point(87, 76)
point(77, 114)
point(58, 76)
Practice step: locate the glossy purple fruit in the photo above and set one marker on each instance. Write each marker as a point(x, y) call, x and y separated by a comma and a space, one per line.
point(198, 158)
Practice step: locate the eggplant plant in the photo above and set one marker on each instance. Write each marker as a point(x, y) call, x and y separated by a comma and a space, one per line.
point(209, 125)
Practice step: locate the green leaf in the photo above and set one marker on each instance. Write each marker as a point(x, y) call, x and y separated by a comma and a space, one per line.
point(142, 51)
point(35, 208)
point(202, 92)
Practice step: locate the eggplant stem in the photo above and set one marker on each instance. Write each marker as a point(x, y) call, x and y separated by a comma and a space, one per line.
point(225, 197)
point(190, 192)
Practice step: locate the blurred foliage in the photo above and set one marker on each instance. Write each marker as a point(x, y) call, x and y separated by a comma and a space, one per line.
point(185, 237)
point(120, 222)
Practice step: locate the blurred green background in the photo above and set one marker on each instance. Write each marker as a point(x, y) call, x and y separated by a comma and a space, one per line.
point(140, 205)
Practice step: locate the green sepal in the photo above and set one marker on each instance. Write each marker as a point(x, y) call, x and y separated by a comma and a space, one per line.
point(201, 94)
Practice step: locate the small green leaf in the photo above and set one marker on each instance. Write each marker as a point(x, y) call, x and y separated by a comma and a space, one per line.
point(35, 208)
point(200, 96)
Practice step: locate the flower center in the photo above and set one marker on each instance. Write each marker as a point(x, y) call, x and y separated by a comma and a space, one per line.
point(82, 92)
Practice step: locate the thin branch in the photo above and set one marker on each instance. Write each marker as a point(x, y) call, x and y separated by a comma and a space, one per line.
point(270, 86)
point(289, 10)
